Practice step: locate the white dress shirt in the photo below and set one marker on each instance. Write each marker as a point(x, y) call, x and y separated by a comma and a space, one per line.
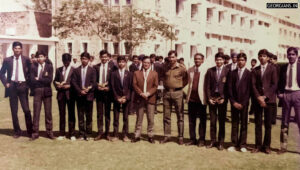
point(295, 86)
point(233, 66)
point(241, 72)
point(65, 72)
point(263, 68)
point(21, 76)
point(100, 72)
point(83, 75)
point(41, 67)
point(146, 74)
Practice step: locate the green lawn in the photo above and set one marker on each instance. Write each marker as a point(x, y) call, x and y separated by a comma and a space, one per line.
point(47, 154)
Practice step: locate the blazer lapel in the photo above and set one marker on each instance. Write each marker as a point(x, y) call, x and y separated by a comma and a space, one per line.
point(298, 73)
point(24, 64)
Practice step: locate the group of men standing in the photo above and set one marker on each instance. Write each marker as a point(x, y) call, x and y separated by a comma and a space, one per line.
point(110, 82)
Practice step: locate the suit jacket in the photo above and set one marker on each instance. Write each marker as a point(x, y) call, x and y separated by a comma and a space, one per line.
point(7, 68)
point(282, 77)
point(90, 81)
point(117, 88)
point(138, 85)
point(211, 82)
point(159, 69)
point(101, 94)
point(239, 90)
point(46, 79)
point(228, 66)
point(133, 68)
point(201, 89)
point(266, 85)
point(60, 78)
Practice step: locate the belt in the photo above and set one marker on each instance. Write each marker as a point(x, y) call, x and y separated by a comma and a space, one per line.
point(172, 90)
point(18, 82)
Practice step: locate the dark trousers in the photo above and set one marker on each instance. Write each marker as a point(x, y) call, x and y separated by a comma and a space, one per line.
point(85, 116)
point(239, 118)
point(103, 109)
point(20, 91)
point(125, 109)
point(38, 99)
point(290, 99)
point(132, 104)
point(258, 125)
point(217, 111)
point(173, 98)
point(197, 110)
point(273, 107)
point(62, 103)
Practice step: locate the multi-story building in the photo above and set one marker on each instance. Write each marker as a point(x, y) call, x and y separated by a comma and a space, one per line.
point(205, 26)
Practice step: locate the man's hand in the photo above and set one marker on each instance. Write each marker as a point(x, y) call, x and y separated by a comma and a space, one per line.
point(105, 88)
point(120, 100)
point(261, 99)
point(220, 101)
point(100, 88)
point(83, 92)
point(280, 95)
point(7, 85)
point(212, 102)
point(237, 106)
point(66, 86)
point(144, 96)
point(36, 78)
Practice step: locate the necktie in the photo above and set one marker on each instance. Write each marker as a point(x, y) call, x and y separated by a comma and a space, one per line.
point(41, 73)
point(17, 69)
point(196, 70)
point(64, 73)
point(263, 71)
point(103, 74)
point(122, 77)
point(290, 77)
point(218, 73)
point(83, 77)
point(239, 73)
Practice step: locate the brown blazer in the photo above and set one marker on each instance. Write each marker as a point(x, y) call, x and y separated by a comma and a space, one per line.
point(138, 85)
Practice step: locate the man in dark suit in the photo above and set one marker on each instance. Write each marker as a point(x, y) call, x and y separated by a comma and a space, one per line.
point(41, 76)
point(289, 92)
point(84, 81)
point(216, 79)
point(273, 60)
point(121, 84)
point(136, 65)
point(65, 96)
point(239, 86)
point(103, 94)
point(16, 81)
point(264, 85)
point(145, 84)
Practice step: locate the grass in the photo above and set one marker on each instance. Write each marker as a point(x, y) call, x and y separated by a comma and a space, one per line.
point(47, 154)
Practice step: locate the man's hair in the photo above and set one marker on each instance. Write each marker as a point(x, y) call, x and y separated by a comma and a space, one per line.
point(172, 52)
point(292, 49)
point(181, 59)
point(102, 52)
point(254, 60)
point(233, 55)
point(17, 43)
point(219, 55)
point(242, 55)
point(152, 55)
point(85, 54)
point(120, 58)
point(135, 56)
point(263, 52)
point(39, 53)
point(66, 57)
point(226, 57)
point(199, 54)
point(145, 57)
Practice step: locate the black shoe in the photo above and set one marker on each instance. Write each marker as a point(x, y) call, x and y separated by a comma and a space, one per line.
point(151, 140)
point(16, 136)
point(135, 140)
point(192, 142)
point(33, 138)
point(255, 150)
point(281, 151)
point(51, 136)
point(98, 137)
point(180, 140)
point(212, 144)
point(165, 140)
point(220, 147)
point(201, 144)
point(268, 151)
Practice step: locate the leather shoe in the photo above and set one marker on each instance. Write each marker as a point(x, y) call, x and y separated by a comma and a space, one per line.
point(268, 151)
point(16, 136)
point(151, 140)
point(135, 140)
point(192, 142)
point(165, 140)
point(33, 138)
point(201, 144)
point(220, 147)
point(212, 144)
point(98, 138)
point(50, 136)
point(255, 150)
point(281, 151)
point(180, 141)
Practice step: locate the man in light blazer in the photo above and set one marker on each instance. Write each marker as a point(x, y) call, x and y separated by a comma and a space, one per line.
point(65, 97)
point(196, 99)
point(16, 82)
point(264, 85)
point(145, 84)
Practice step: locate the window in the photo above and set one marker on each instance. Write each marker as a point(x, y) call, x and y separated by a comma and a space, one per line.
point(233, 19)
point(208, 52)
point(193, 50)
point(221, 16)
point(127, 47)
point(69, 47)
point(116, 48)
point(128, 2)
point(194, 11)
point(85, 47)
point(209, 14)
point(157, 48)
point(220, 50)
point(192, 33)
point(242, 21)
point(105, 45)
point(260, 22)
point(179, 7)
point(177, 32)
point(251, 23)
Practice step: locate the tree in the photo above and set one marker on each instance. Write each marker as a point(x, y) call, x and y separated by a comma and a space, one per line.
point(110, 24)
point(38, 5)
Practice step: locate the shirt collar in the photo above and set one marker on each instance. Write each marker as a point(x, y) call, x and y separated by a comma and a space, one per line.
point(264, 65)
point(220, 67)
